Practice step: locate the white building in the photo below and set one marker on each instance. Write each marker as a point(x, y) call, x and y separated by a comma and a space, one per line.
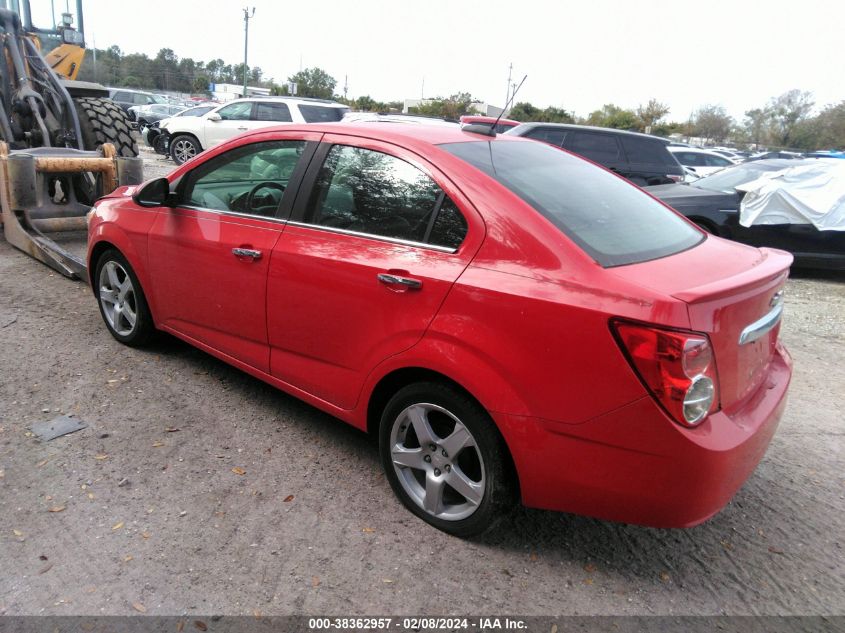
point(227, 92)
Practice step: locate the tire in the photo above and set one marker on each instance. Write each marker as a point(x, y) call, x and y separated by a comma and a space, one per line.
point(142, 124)
point(184, 148)
point(158, 144)
point(101, 120)
point(114, 297)
point(423, 478)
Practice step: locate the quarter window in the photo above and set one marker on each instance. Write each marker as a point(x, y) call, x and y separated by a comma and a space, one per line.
point(551, 135)
point(321, 114)
point(371, 192)
point(248, 179)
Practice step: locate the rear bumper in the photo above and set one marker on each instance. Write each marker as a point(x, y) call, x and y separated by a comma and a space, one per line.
point(636, 465)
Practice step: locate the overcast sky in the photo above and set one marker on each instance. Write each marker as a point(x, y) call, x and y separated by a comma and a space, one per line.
point(578, 55)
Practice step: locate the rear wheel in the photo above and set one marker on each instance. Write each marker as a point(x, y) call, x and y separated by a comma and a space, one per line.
point(184, 148)
point(101, 120)
point(444, 458)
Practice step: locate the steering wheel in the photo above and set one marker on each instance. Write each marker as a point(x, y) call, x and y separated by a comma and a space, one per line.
point(250, 197)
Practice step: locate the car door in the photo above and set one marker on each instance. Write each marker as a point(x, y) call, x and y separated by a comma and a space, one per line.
point(377, 239)
point(600, 148)
point(209, 254)
point(234, 120)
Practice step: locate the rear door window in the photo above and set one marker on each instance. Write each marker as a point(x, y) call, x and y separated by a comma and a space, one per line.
point(646, 150)
point(271, 111)
point(370, 192)
point(598, 147)
point(613, 221)
point(551, 135)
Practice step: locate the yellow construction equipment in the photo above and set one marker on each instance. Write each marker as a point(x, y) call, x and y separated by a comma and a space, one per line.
point(63, 142)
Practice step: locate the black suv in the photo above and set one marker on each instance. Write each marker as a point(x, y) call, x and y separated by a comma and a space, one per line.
point(126, 98)
point(642, 159)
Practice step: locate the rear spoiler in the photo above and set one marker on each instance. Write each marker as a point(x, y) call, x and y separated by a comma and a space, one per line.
point(773, 263)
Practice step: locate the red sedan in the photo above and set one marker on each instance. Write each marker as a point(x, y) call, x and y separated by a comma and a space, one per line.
point(512, 321)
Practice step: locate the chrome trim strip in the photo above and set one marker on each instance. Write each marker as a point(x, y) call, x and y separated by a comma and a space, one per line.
point(762, 326)
point(233, 214)
point(380, 238)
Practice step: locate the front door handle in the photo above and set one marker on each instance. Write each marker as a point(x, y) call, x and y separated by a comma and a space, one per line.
point(243, 129)
point(398, 280)
point(246, 252)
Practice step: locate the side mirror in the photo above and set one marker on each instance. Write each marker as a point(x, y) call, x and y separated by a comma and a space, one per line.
point(214, 116)
point(156, 193)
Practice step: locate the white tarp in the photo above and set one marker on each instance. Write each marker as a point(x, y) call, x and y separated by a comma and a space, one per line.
point(805, 194)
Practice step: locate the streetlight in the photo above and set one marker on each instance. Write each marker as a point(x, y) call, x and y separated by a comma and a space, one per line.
point(247, 17)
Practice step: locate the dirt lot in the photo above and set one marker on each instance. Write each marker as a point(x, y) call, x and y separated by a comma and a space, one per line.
point(155, 517)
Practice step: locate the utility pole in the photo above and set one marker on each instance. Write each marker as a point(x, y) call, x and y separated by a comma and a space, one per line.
point(247, 17)
point(422, 89)
point(345, 85)
point(508, 91)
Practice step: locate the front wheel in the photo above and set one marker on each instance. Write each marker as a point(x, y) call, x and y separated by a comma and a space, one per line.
point(123, 305)
point(444, 458)
point(184, 148)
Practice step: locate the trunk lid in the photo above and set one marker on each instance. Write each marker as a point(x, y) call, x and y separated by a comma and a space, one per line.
point(730, 289)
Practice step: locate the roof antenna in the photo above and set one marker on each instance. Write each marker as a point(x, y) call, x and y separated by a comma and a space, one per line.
point(482, 128)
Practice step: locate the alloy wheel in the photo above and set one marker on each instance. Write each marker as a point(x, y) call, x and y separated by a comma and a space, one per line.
point(437, 461)
point(118, 299)
point(184, 150)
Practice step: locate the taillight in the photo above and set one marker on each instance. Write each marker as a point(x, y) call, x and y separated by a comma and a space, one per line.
point(676, 367)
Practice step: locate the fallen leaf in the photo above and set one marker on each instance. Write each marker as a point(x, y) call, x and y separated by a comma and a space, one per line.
point(200, 625)
point(139, 607)
point(41, 463)
point(57, 509)
point(533, 557)
point(117, 526)
point(146, 535)
point(288, 499)
point(775, 550)
point(588, 581)
point(257, 614)
point(386, 581)
point(112, 381)
point(17, 532)
point(157, 444)
point(238, 470)
point(179, 626)
point(49, 497)
point(90, 495)
point(46, 568)
point(589, 567)
point(368, 530)
point(172, 430)
point(126, 559)
point(2, 473)
point(727, 545)
point(101, 457)
point(664, 576)
point(315, 582)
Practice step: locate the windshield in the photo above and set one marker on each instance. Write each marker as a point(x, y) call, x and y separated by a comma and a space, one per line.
point(158, 99)
point(197, 111)
point(727, 180)
point(609, 218)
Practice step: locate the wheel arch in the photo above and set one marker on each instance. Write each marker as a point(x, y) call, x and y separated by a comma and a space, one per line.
point(113, 238)
point(393, 381)
point(193, 135)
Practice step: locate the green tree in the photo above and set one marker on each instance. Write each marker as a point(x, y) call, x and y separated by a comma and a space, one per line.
point(713, 123)
point(524, 111)
point(650, 114)
point(756, 124)
point(786, 112)
point(314, 82)
point(613, 116)
point(452, 107)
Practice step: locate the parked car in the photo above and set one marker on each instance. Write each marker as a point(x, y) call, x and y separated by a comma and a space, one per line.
point(186, 137)
point(511, 321)
point(395, 117)
point(502, 125)
point(713, 202)
point(700, 162)
point(641, 158)
point(770, 155)
point(152, 133)
point(727, 153)
point(145, 115)
point(126, 99)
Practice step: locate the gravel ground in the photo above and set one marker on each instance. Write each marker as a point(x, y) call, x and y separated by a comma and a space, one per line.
point(197, 489)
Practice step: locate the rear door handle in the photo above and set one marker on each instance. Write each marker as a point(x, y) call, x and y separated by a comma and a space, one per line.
point(398, 280)
point(243, 129)
point(246, 252)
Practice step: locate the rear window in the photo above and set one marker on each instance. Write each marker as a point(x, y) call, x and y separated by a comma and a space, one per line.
point(644, 150)
point(321, 114)
point(610, 219)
